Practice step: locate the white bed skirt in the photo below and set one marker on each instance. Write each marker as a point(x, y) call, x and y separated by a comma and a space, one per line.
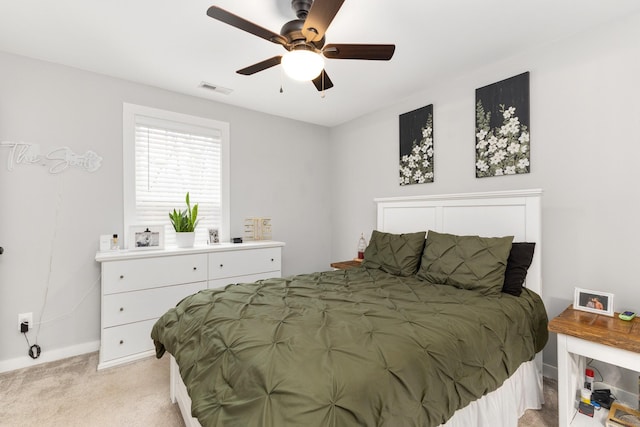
point(503, 407)
point(500, 408)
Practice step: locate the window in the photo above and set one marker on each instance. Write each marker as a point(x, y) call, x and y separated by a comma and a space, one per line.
point(166, 155)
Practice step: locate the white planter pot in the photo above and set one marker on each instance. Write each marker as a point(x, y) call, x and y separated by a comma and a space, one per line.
point(185, 240)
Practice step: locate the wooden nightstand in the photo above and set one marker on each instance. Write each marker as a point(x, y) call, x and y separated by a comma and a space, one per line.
point(582, 334)
point(344, 265)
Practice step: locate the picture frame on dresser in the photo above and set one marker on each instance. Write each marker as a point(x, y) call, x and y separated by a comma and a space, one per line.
point(145, 237)
point(593, 301)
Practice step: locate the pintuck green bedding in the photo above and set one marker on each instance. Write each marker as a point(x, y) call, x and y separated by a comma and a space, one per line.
point(357, 347)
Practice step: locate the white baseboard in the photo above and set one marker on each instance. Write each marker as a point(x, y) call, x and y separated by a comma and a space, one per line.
point(49, 356)
point(550, 371)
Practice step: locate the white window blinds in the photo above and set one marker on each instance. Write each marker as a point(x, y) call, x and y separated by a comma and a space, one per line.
point(172, 158)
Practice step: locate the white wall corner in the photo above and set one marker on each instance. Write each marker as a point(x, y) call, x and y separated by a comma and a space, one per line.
point(550, 371)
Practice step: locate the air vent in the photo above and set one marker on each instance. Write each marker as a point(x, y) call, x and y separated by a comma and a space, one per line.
point(216, 88)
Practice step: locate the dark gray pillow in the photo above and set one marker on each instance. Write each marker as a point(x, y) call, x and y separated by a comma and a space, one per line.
point(467, 262)
point(518, 263)
point(397, 254)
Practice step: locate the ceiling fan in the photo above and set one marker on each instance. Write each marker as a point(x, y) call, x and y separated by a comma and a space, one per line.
point(304, 40)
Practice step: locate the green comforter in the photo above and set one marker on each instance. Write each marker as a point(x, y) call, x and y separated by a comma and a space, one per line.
point(356, 347)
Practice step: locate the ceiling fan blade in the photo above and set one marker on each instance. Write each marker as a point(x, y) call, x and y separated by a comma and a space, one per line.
point(319, 18)
point(260, 66)
point(322, 82)
point(242, 24)
point(376, 52)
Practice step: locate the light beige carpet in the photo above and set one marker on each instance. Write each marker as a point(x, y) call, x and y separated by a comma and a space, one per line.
point(72, 393)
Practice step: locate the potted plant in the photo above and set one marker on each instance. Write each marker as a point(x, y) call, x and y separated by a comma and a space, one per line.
point(184, 223)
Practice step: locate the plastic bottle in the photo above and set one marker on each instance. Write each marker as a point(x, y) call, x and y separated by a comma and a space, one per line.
point(588, 379)
point(362, 245)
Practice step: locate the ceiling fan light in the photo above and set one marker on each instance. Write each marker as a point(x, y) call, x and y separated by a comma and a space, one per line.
point(303, 65)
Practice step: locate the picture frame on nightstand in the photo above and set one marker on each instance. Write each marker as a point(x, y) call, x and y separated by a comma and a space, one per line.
point(593, 301)
point(623, 416)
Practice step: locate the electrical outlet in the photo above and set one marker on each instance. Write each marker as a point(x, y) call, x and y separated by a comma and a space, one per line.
point(25, 317)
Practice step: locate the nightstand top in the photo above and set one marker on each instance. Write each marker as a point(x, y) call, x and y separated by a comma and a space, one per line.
point(599, 328)
point(344, 265)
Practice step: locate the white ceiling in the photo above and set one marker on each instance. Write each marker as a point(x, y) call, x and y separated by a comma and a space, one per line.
point(174, 45)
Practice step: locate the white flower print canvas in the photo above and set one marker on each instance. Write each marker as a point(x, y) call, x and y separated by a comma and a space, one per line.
point(503, 131)
point(416, 146)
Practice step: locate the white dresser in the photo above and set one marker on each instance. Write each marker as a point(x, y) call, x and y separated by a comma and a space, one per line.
point(139, 286)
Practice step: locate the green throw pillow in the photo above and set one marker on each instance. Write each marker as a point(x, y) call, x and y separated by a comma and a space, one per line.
point(466, 262)
point(397, 254)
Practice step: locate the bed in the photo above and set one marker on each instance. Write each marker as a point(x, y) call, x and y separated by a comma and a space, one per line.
point(406, 340)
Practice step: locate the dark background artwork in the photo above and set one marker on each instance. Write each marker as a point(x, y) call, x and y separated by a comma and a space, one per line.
point(513, 91)
point(416, 146)
point(502, 132)
point(411, 125)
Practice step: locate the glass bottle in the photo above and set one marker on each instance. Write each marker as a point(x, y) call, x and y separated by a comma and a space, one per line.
point(114, 242)
point(362, 245)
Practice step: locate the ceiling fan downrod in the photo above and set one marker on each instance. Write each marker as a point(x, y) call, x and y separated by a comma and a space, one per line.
point(301, 8)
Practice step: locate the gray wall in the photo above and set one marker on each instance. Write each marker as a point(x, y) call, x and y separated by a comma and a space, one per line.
point(585, 148)
point(49, 224)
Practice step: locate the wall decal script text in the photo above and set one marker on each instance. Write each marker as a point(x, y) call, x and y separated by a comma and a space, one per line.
point(58, 160)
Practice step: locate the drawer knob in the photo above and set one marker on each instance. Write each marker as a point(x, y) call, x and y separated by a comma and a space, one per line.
point(121, 341)
point(122, 276)
point(121, 308)
point(195, 268)
point(271, 259)
point(221, 265)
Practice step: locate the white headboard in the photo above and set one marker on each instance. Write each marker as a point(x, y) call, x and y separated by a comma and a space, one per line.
point(491, 214)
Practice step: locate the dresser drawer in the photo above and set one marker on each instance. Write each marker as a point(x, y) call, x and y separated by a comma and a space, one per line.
point(126, 340)
point(221, 283)
point(244, 262)
point(131, 275)
point(128, 307)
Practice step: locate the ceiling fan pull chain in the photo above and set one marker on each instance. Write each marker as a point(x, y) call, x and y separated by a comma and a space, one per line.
point(281, 79)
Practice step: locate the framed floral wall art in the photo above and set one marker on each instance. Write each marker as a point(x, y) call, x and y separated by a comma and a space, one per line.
point(502, 128)
point(416, 146)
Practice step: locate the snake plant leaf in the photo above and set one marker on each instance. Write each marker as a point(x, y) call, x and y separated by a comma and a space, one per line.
point(185, 220)
point(194, 217)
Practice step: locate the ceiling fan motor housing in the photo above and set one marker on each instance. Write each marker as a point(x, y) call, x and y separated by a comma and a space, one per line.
point(292, 30)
